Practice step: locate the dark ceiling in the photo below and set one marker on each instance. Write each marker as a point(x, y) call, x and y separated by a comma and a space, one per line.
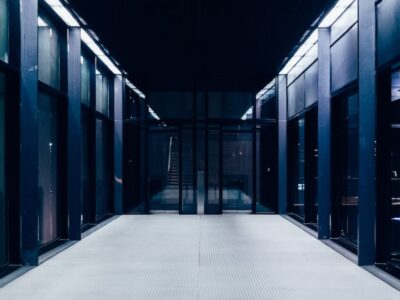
point(200, 44)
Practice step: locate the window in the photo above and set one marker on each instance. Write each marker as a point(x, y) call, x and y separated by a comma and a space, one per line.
point(85, 80)
point(48, 164)
point(4, 21)
point(102, 93)
point(3, 204)
point(49, 53)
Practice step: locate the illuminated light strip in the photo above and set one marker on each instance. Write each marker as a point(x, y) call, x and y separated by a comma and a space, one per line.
point(135, 89)
point(88, 40)
point(151, 111)
point(63, 13)
point(339, 9)
point(249, 112)
point(268, 87)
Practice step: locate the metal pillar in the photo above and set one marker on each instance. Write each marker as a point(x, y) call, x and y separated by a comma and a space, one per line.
point(324, 133)
point(367, 132)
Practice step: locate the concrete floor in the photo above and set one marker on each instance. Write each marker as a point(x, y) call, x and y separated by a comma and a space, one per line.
point(199, 257)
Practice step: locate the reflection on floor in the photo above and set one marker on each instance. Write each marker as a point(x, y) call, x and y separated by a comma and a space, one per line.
point(199, 257)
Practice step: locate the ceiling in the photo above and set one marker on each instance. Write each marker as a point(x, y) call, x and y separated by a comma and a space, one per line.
point(182, 45)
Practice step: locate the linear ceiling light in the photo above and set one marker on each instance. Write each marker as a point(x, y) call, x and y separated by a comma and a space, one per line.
point(248, 114)
point(265, 89)
point(151, 111)
point(63, 13)
point(88, 40)
point(135, 89)
point(340, 7)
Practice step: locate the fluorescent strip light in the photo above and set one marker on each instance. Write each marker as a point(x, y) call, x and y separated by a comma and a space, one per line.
point(340, 7)
point(268, 87)
point(88, 40)
point(42, 23)
point(63, 13)
point(135, 89)
point(247, 114)
point(151, 111)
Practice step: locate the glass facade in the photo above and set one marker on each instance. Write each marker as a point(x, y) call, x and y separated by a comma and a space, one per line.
point(297, 140)
point(103, 169)
point(345, 176)
point(3, 200)
point(48, 167)
point(4, 30)
point(49, 52)
point(86, 67)
point(102, 93)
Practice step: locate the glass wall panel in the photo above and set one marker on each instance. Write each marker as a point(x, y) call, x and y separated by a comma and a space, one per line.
point(3, 204)
point(164, 169)
point(85, 80)
point(188, 176)
point(87, 150)
point(48, 154)
point(102, 93)
point(296, 162)
point(103, 169)
point(4, 23)
point(237, 160)
point(49, 52)
point(394, 244)
point(213, 171)
point(345, 173)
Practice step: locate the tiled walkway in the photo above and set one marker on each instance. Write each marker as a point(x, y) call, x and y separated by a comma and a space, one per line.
point(199, 257)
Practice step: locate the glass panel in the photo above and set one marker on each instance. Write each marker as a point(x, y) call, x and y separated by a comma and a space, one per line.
point(237, 171)
point(3, 204)
point(103, 169)
point(49, 52)
point(86, 152)
point(48, 150)
point(346, 167)
point(102, 93)
point(164, 169)
point(297, 167)
point(4, 21)
point(395, 172)
point(85, 80)
point(213, 178)
point(188, 196)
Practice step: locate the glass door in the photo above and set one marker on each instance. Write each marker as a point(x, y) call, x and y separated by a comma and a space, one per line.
point(345, 172)
point(237, 171)
point(164, 169)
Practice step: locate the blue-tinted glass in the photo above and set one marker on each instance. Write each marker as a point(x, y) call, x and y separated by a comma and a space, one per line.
point(85, 80)
point(4, 21)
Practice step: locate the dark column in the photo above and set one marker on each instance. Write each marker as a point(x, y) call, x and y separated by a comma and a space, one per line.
point(367, 133)
point(29, 132)
point(324, 133)
point(74, 133)
point(281, 88)
point(119, 85)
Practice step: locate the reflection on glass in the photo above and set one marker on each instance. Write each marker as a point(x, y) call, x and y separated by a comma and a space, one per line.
point(164, 169)
point(4, 30)
point(85, 80)
point(48, 147)
point(49, 52)
point(85, 178)
point(213, 174)
point(237, 163)
point(3, 204)
point(395, 172)
point(102, 93)
point(103, 169)
point(188, 193)
point(346, 167)
point(297, 167)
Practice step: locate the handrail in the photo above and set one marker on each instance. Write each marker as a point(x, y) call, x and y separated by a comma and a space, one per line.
point(170, 152)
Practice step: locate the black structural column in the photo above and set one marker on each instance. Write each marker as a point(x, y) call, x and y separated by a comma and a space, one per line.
point(29, 132)
point(74, 133)
point(281, 84)
point(119, 84)
point(367, 132)
point(324, 133)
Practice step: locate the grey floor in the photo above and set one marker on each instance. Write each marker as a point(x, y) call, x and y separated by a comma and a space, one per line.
point(199, 257)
